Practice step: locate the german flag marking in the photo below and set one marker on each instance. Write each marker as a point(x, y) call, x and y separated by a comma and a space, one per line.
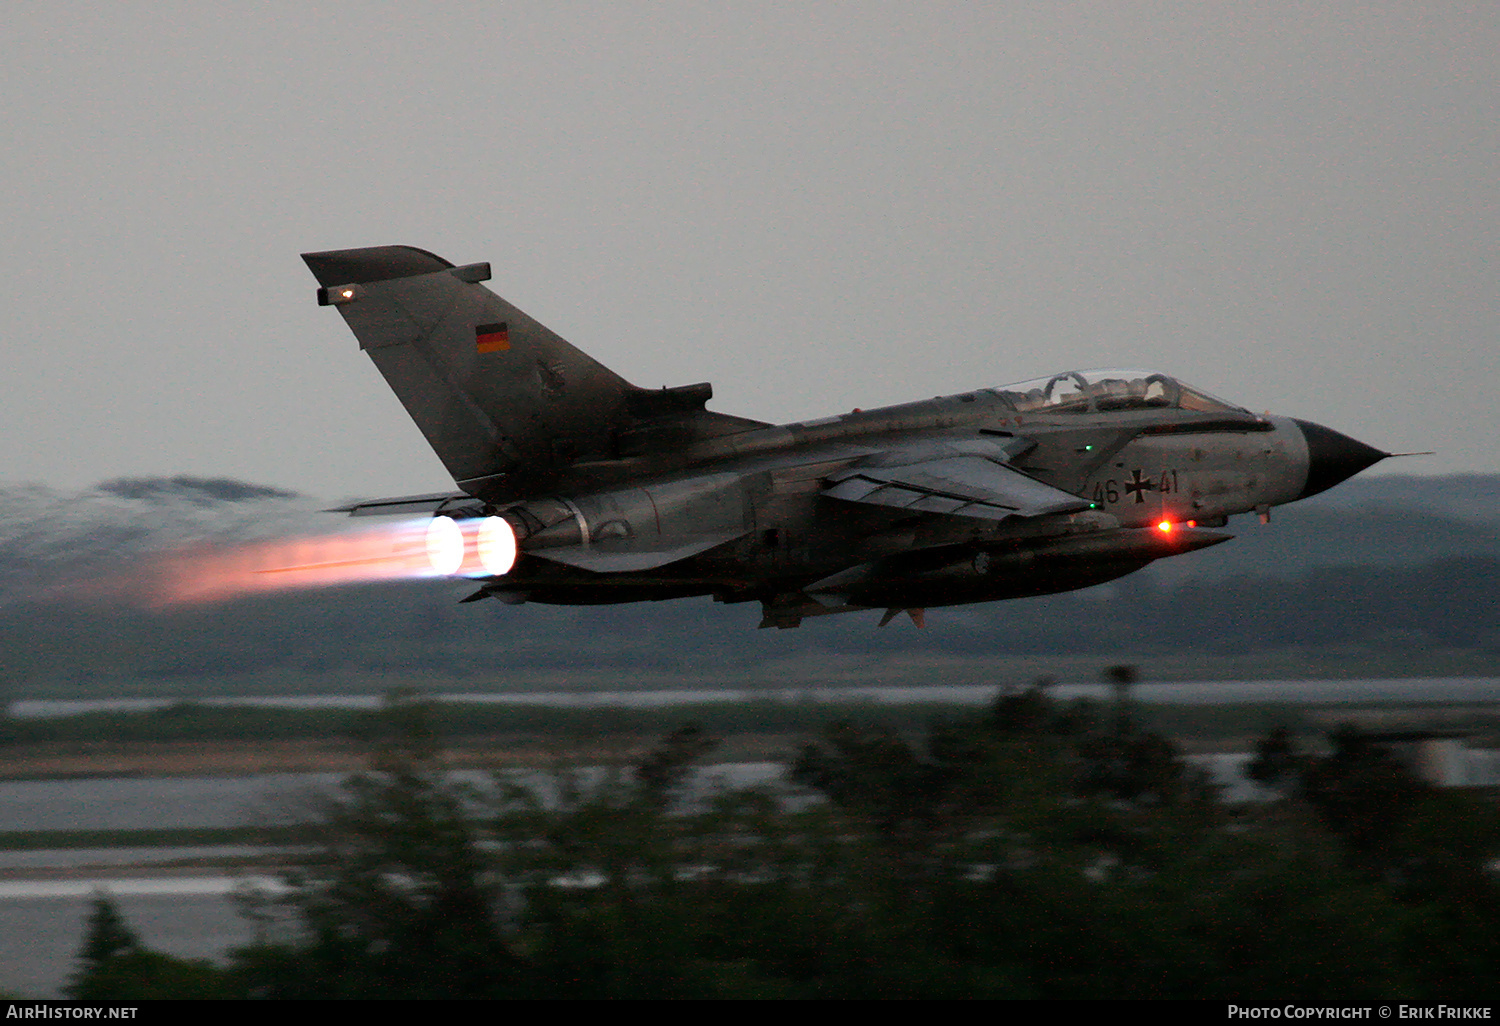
point(492, 338)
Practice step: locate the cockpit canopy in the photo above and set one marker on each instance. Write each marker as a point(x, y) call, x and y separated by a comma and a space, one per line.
point(1108, 391)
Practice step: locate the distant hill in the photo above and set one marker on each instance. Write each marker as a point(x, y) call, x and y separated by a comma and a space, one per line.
point(1468, 497)
point(1383, 521)
point(1299, 540)
point(1388, 574)
point(204, 490)
point(46, 533)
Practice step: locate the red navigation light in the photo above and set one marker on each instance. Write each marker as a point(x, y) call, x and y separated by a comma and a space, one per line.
point(1165, 527)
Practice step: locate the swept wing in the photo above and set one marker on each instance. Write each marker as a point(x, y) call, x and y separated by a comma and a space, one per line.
point(969, 479)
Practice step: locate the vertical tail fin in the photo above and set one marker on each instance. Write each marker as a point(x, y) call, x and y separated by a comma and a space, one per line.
point(500, 398)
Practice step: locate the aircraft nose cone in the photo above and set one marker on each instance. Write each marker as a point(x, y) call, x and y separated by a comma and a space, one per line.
point(1332, 457)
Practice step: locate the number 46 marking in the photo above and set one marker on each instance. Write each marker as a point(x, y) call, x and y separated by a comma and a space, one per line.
point(1137, 486)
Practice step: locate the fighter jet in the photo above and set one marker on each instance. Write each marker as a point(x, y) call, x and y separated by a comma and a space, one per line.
point(577, 487)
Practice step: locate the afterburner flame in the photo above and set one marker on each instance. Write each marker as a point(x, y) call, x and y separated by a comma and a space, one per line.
point(409, 550)
point(495, 544)
point(445, 546)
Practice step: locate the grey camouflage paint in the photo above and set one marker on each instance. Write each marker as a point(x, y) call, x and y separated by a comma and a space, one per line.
point(620, 494)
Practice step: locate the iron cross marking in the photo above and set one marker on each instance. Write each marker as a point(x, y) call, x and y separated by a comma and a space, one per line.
point(1138, 486)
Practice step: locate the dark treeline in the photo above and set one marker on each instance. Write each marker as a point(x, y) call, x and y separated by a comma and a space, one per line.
point(564, 728)
point(1450, 605)
point(190, 721)
point(484, 722)
point(1035, 849)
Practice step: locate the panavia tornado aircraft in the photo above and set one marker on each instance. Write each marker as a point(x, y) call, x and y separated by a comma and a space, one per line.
point(577, 487)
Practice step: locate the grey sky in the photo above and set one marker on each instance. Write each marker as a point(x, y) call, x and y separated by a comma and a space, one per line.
point(814, 206)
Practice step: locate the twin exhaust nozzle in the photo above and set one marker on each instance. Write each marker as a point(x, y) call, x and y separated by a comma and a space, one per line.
point(479, 547)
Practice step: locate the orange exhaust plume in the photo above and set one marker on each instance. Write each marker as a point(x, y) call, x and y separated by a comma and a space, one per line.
point(409, 550)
